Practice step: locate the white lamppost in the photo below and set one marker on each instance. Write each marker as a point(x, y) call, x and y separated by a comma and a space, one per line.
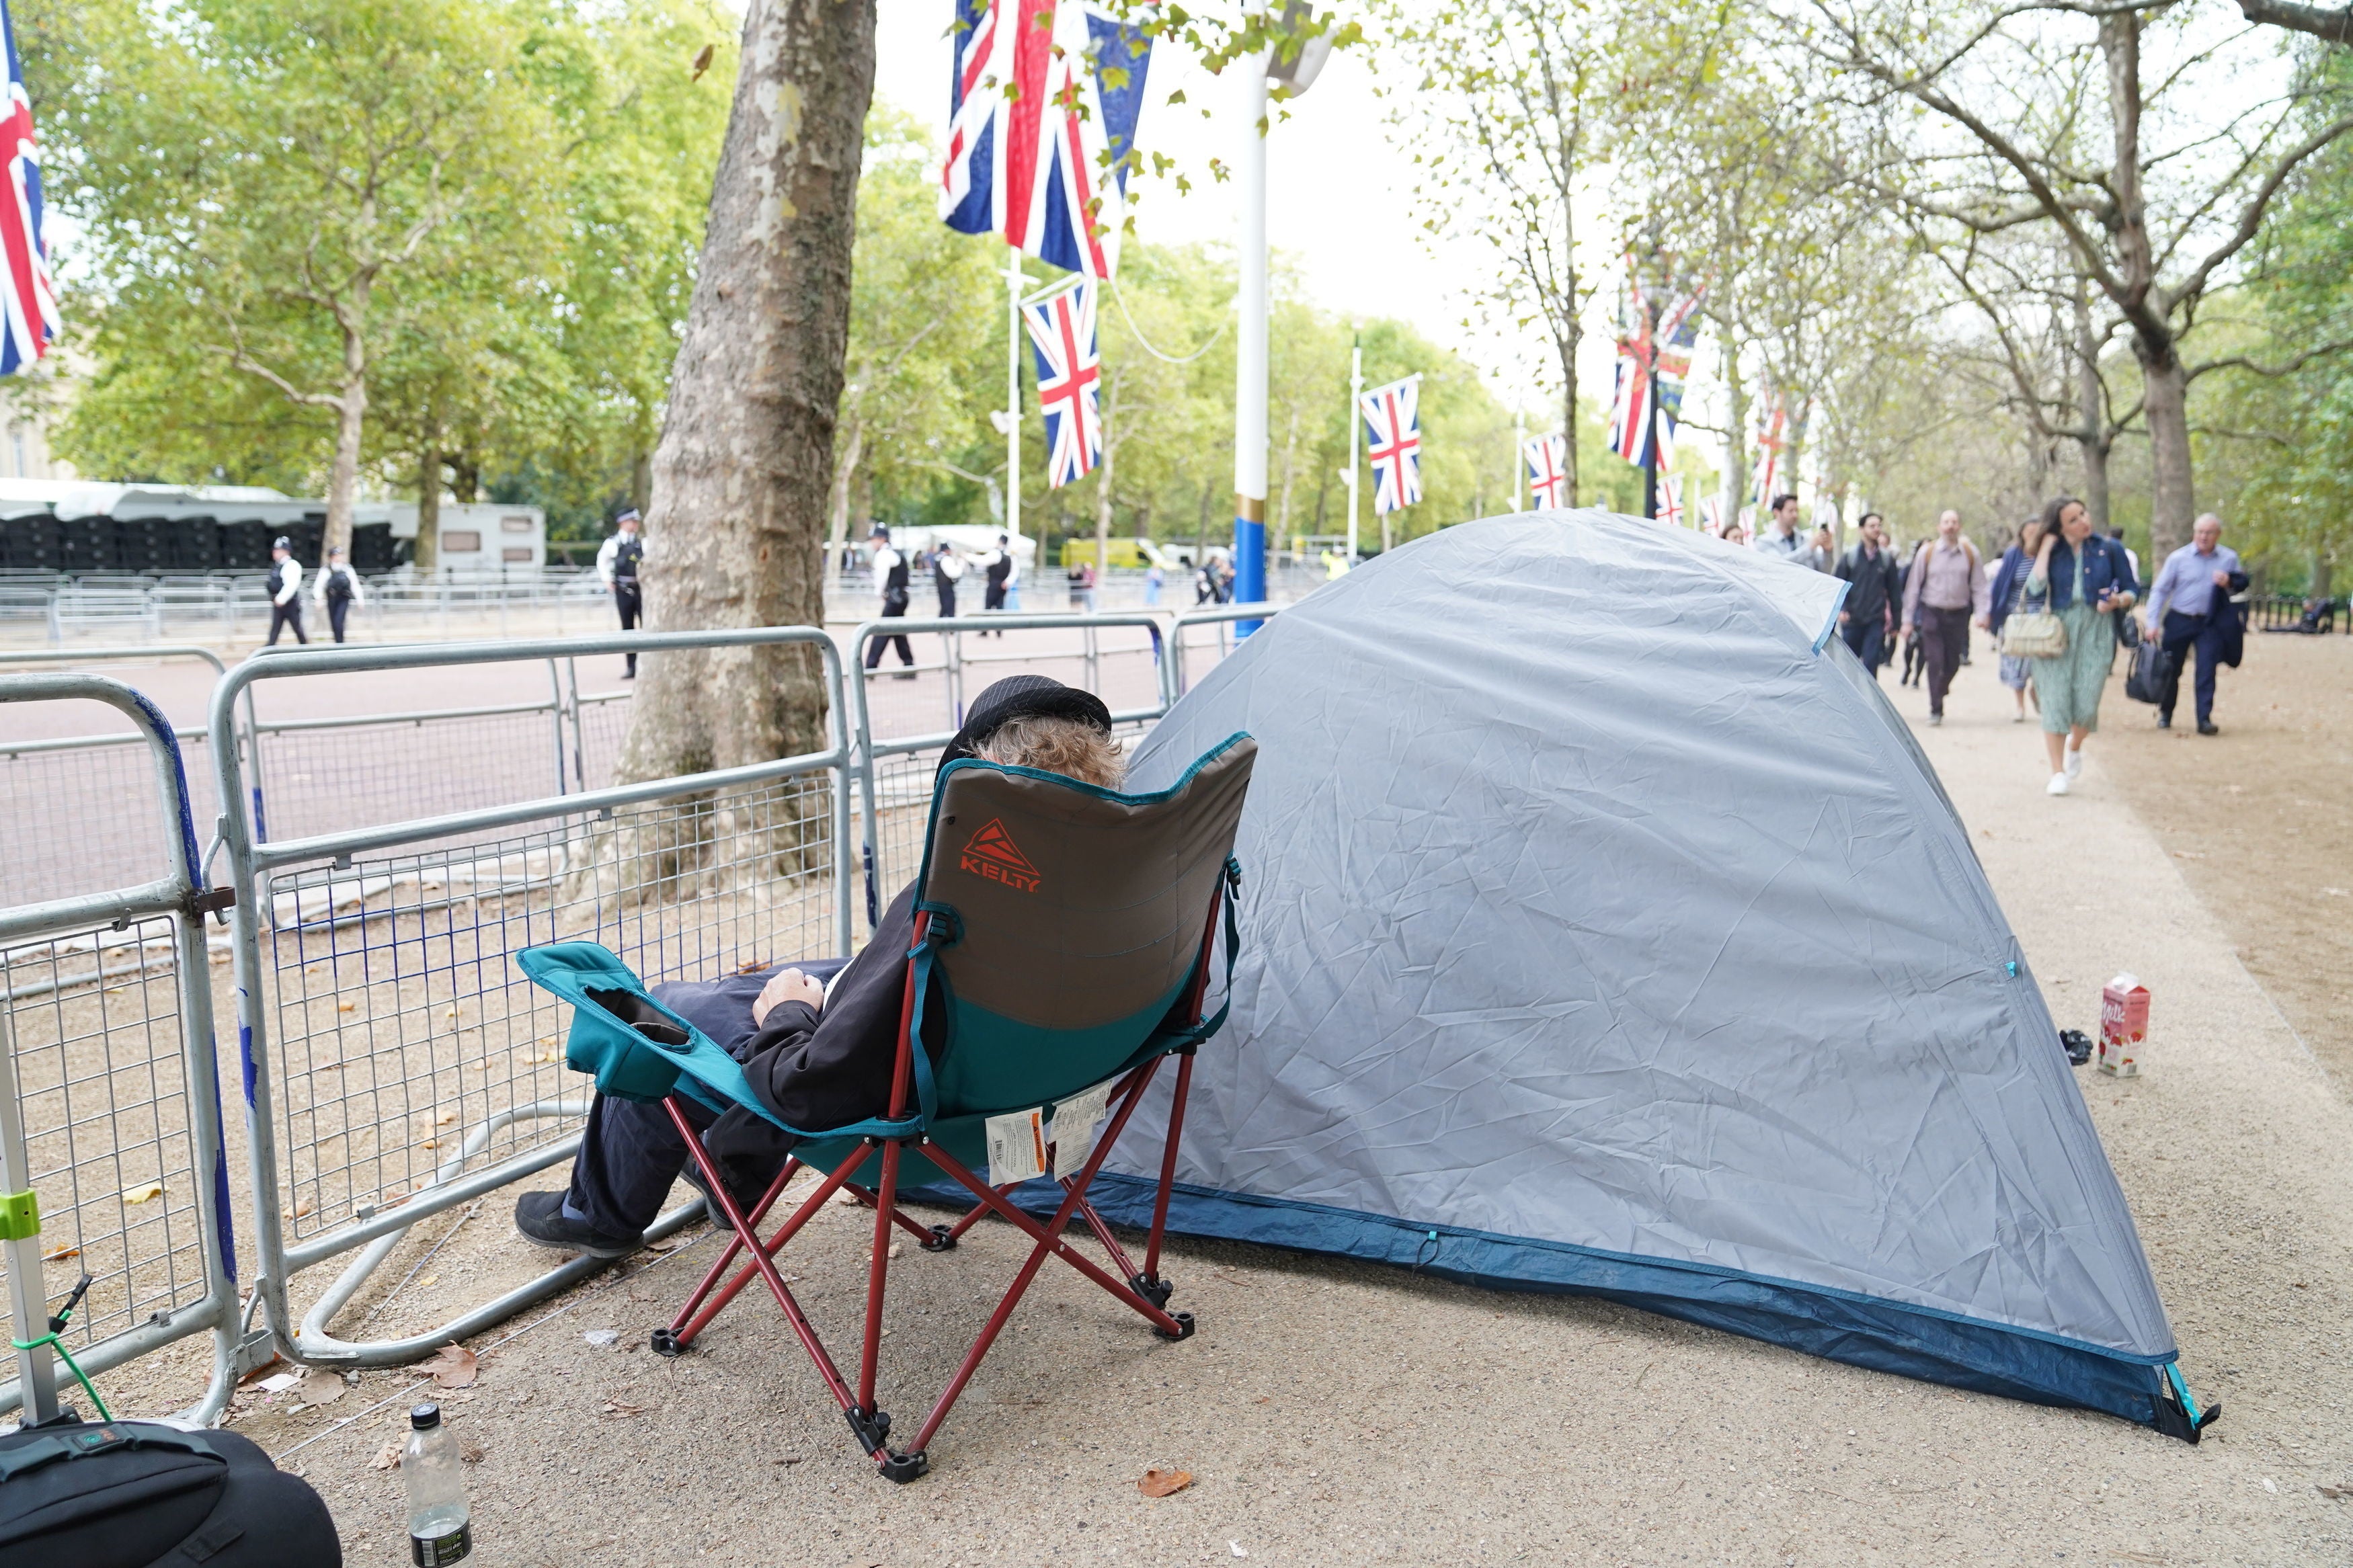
point(1297, 73)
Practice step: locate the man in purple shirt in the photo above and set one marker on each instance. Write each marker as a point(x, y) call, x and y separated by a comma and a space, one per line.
point(2190, 608)
point(1946, 585)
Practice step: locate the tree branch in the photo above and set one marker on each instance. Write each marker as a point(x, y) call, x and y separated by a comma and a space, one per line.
point(2332, 25)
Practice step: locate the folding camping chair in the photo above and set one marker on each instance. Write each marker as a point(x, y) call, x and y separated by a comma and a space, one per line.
point(1068, 931)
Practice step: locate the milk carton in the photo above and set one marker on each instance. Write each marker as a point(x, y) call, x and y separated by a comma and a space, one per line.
point(2124, 1025)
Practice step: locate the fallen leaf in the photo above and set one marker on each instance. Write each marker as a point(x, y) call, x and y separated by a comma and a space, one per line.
point(386, 1458)
point(1161, 1483)
point(143, 1193)
point(430, 1279)
point(617, 1407)
point(322, 1388)
point(454, 1366)
point(471, 1452)
point(446, 1118)
point(430, 1144)
point(61, 1254)
point(302, 1209)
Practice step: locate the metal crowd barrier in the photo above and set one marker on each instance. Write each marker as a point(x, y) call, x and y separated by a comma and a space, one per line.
point(397, 1064)
point(109, 1102)
point(1219, 615)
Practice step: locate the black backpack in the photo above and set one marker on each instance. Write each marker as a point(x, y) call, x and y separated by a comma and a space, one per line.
point(135, 1494)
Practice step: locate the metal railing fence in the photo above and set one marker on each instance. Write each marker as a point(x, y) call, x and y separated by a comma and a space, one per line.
point(109, 1104)
point(396, 1062)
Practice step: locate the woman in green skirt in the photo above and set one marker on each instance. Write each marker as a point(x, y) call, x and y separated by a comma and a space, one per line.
point(2089, 580)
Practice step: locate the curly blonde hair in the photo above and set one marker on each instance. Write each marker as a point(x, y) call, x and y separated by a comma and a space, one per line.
point(1064, 746)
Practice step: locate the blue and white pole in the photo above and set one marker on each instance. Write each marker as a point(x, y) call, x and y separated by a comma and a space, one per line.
point(1250, 357)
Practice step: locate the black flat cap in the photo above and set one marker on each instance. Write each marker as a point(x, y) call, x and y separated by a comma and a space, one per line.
point(1023, 696)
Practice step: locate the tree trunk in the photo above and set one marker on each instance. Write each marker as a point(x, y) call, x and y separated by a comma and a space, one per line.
point(641, 481)
point(734, 533)
point(428, 554)
point(343, 475)
point(2092, 412)
point(1736, 443)
point(845, 463)
point(2173, 501)
point(1567, 347)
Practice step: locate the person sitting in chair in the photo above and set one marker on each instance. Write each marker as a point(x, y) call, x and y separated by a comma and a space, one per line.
point(817, 1041)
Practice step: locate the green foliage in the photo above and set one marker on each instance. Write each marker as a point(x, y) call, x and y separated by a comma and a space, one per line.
point(525, 185)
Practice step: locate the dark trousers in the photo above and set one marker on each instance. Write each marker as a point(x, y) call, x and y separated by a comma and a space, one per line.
point(630, 1151)
point(874, 649)
point(1866, 638)
point(338, 610)
point(630, 601)
point(1944, 634)
point(992, 597)
point(2182, 634)
point(947, 600)
point(289, 616)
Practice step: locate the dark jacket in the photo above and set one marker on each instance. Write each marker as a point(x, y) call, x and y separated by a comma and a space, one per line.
point(832, 1070)
point(1877, 583)
point(2105, 566)
point(2008, 579)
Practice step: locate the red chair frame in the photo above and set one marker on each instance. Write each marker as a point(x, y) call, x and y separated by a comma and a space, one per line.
point(1143, 1290)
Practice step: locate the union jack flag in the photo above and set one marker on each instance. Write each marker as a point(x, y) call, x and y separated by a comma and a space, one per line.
point(1711, 516)
point(1653, 358)
point(1547, 460)
point(28, 300)
point(1670, 501)
point(1393, 442)
point(1062, 332)
point(1773, 436)
point(1042, 105)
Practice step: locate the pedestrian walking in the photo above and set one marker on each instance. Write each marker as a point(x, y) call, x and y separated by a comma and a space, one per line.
point(891, 579)
point(947, 566)
point(618, 560)
point(285, 591)
point(336, 590)
point(1946, 585)
point(2132, 556)
point(1153, 579)
point(1867, 619)
point(1205, 582)
point(1782, 539)
point(2190, 611)
point(2007, 598)
point(2088, 581)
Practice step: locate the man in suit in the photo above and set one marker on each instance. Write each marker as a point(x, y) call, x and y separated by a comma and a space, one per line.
point(2189, 609)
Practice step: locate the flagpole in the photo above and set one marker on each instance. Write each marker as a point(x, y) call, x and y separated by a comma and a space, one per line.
point(1013, 281)
point(1250, 359)
point(1356, 430)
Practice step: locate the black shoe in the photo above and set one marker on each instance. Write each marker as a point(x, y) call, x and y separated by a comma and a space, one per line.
point(2164, 720)
point(2208, 727)
point(539, 1218)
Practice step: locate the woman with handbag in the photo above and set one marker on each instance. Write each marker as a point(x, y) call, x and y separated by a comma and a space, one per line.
point(2007, 597)
point(2074, 643)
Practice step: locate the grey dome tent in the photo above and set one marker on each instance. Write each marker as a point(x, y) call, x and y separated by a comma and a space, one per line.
point(1603, 932)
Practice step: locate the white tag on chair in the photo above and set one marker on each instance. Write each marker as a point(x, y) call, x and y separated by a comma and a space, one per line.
point(1016, 1147)
point(1075, 1128)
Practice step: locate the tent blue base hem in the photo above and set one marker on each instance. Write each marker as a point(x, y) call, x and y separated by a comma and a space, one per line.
point(1886, 1336)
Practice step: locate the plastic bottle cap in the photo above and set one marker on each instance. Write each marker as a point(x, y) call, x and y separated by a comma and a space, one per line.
point(424, 1417)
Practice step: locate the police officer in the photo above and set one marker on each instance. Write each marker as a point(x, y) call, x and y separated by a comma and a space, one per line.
point(947, 566)
point(285, 590)
point(890, 576)
point(616, 563)
point(337, 590)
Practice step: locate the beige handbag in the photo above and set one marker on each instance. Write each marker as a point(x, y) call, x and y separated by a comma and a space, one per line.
point(2033, 634)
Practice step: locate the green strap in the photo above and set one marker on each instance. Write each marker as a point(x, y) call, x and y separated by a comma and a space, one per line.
point(73, 1366)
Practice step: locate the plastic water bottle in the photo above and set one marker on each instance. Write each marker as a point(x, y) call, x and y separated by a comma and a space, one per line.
point(439, 1531)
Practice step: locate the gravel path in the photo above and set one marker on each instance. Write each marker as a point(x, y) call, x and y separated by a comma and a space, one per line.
point(1336, 1412)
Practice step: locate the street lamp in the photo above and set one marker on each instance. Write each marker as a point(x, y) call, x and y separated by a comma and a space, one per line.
point(1297, 73)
